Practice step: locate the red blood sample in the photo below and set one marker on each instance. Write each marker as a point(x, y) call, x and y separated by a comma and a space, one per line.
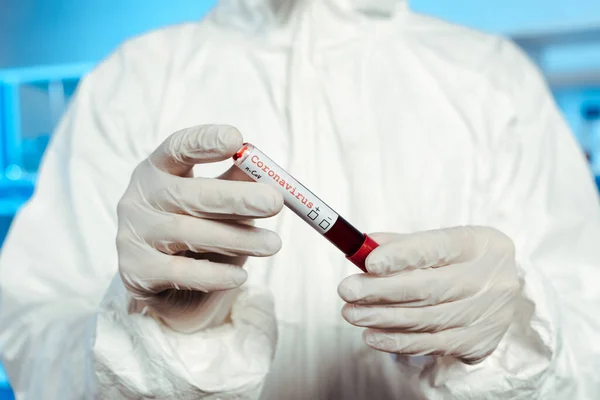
point(354, 244)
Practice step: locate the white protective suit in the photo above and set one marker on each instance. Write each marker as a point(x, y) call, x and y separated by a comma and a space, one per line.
point(400, 122)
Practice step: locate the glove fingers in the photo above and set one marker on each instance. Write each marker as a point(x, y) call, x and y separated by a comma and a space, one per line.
point(386, 237)
point(213, 236)
point(422, 250)
point(216, 198)
point(235, 174)
point(183, 273)
point(452, 342)
point(196, 145)
point(418, 319)
point(413, 289)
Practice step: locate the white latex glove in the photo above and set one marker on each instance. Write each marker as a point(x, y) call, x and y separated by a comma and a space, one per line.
point(448, 292)
point(180, 237)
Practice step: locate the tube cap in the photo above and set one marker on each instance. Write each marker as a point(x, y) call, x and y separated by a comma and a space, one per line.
point(361, 254)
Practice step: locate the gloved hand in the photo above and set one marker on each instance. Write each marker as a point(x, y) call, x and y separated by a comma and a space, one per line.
point(180, 237)
point(443, 292)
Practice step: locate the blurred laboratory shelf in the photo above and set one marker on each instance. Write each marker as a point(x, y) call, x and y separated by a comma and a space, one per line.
point(568, 57)
point(14, 193)
point(58, 82)
point(567, 79)
point(5, 392)
point(559, 36)
point(47, 73)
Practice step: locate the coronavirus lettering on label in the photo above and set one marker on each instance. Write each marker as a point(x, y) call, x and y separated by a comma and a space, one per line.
point(277, 178)
point(297, 197)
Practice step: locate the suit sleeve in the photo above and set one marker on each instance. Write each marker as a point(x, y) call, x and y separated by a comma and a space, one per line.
point(65, 329)
point(541, 193)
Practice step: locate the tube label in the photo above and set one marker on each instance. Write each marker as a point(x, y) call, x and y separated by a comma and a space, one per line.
point(297, 198)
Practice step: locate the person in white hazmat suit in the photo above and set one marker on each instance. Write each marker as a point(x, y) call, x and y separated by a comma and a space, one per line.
point(443, 139)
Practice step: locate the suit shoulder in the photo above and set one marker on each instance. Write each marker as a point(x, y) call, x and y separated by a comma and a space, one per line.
point(458, 45)
point(159, 43)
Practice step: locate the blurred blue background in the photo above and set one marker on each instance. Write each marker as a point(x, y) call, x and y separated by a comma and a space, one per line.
point(47, 45)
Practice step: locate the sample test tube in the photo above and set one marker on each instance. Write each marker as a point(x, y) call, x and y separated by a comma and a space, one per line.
point(314, 211)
